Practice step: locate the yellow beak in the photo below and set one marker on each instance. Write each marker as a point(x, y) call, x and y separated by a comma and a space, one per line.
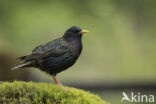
point(84, 31)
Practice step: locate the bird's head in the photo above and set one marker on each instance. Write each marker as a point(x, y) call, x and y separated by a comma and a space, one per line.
point(74, 33)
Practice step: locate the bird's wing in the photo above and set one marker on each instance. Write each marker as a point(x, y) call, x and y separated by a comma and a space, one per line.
point(53, 48)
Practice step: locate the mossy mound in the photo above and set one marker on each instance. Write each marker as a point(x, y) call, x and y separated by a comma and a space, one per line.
point(43, 93)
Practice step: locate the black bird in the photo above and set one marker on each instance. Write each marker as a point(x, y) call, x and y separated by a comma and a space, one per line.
point(56, 55)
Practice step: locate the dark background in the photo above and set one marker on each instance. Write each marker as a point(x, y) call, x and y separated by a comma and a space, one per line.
point(119, 52)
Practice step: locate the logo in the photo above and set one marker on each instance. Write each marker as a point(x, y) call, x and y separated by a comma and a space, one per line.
point(137, 97)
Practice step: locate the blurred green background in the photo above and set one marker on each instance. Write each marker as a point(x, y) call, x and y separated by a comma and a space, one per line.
point(120, 48)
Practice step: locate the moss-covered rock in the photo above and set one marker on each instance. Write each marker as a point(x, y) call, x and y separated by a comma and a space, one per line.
point(43, 93)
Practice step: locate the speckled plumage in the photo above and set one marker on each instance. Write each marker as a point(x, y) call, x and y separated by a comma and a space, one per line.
point(57, 55)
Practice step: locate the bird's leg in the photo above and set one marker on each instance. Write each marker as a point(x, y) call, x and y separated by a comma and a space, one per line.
point(59, 83)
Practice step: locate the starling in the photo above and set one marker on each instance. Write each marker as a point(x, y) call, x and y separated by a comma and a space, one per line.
point(56, 55)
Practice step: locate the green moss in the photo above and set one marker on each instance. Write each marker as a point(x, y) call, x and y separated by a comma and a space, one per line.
point(43, 93)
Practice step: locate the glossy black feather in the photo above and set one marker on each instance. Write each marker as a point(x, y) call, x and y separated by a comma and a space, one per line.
point(57, 55)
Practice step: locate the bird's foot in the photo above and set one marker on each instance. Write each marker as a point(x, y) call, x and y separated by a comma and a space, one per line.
point(63, 88)
point(59, 83)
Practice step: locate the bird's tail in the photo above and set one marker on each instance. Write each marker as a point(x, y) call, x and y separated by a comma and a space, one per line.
point(21, 65)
